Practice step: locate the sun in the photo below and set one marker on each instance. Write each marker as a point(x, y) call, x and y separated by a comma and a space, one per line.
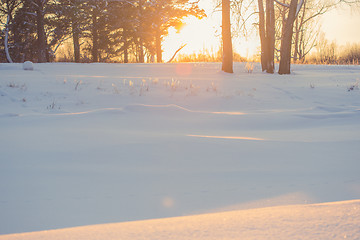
point(196, 34)
point(205, 34)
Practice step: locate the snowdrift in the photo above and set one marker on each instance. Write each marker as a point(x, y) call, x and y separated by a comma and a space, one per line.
point(88, 144)
point(339, 220)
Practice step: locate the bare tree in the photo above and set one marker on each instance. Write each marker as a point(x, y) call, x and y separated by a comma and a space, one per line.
point(306, 28)
point(285, 50)
point(227, 62)
point(267, 34)
point(7, 9)
point(299, 41)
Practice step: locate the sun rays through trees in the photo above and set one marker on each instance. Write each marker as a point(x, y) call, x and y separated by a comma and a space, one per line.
point(125, 31)
point(100, 30)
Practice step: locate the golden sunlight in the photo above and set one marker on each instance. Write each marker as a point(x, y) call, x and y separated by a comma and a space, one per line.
point(227, 137)
point(198, 35)
point(204, 35)
point(168, 202)
point(339, 23)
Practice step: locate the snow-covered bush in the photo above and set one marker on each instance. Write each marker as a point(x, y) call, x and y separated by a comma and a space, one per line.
point(28, 65)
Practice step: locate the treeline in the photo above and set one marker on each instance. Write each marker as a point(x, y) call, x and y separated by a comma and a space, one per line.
point(99, 30)
point(324, 53)
point(208, 55)
point(331, 53)
point(289, 30)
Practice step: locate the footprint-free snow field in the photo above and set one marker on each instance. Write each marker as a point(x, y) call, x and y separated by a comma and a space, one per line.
point(85, 144)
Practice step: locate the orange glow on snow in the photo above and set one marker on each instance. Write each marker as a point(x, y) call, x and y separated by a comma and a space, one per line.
point(227, 137)
point(183, 69)
point(168, 202)
point(229, 113)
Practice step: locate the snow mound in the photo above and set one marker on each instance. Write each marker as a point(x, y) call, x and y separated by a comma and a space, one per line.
point(28, 65)
point(337, 220)
point(173, 108)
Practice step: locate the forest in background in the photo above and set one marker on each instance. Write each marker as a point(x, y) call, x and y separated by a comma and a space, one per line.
point(99, 30)
point(133, 30)
point(326, 52)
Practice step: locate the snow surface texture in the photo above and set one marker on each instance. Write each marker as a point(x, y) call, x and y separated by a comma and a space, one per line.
point(340, 220)
point(85, 144)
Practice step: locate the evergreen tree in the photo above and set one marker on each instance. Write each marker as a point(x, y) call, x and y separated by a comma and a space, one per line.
point(96, 28)
point(107, 29)
point(24, 37)
point(29, 31)
point(122, 24)
point(69, 21)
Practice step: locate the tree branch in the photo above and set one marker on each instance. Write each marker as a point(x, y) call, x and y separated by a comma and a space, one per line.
point(172, 58)
point(299, 7)
point(282, 4)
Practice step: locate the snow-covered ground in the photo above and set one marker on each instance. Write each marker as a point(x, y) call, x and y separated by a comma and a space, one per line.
point(85, 144)
point(340, 220)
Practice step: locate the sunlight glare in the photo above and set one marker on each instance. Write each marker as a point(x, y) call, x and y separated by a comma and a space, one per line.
point(198, 35)
point(227, 137)
point(168, 202)
point(183, 69)
point(338, 25)
point(204, 35)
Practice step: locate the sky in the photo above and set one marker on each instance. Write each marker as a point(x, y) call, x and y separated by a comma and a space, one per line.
point(342, 25)
point(197, 34)
point(339, 25)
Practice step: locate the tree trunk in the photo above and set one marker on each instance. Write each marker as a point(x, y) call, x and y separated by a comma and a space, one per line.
point(95, 38)
point(296, 42)
point(126, 53)
point(41, 41)
point(158, 46)
point(227, 62)
point(267, 35)
point(8, 57)
point(141, 52)
point(262, 35)
point(141, 29)
point(285, 50)
point(76, 42)
point(301, 44)
point(270, 35)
